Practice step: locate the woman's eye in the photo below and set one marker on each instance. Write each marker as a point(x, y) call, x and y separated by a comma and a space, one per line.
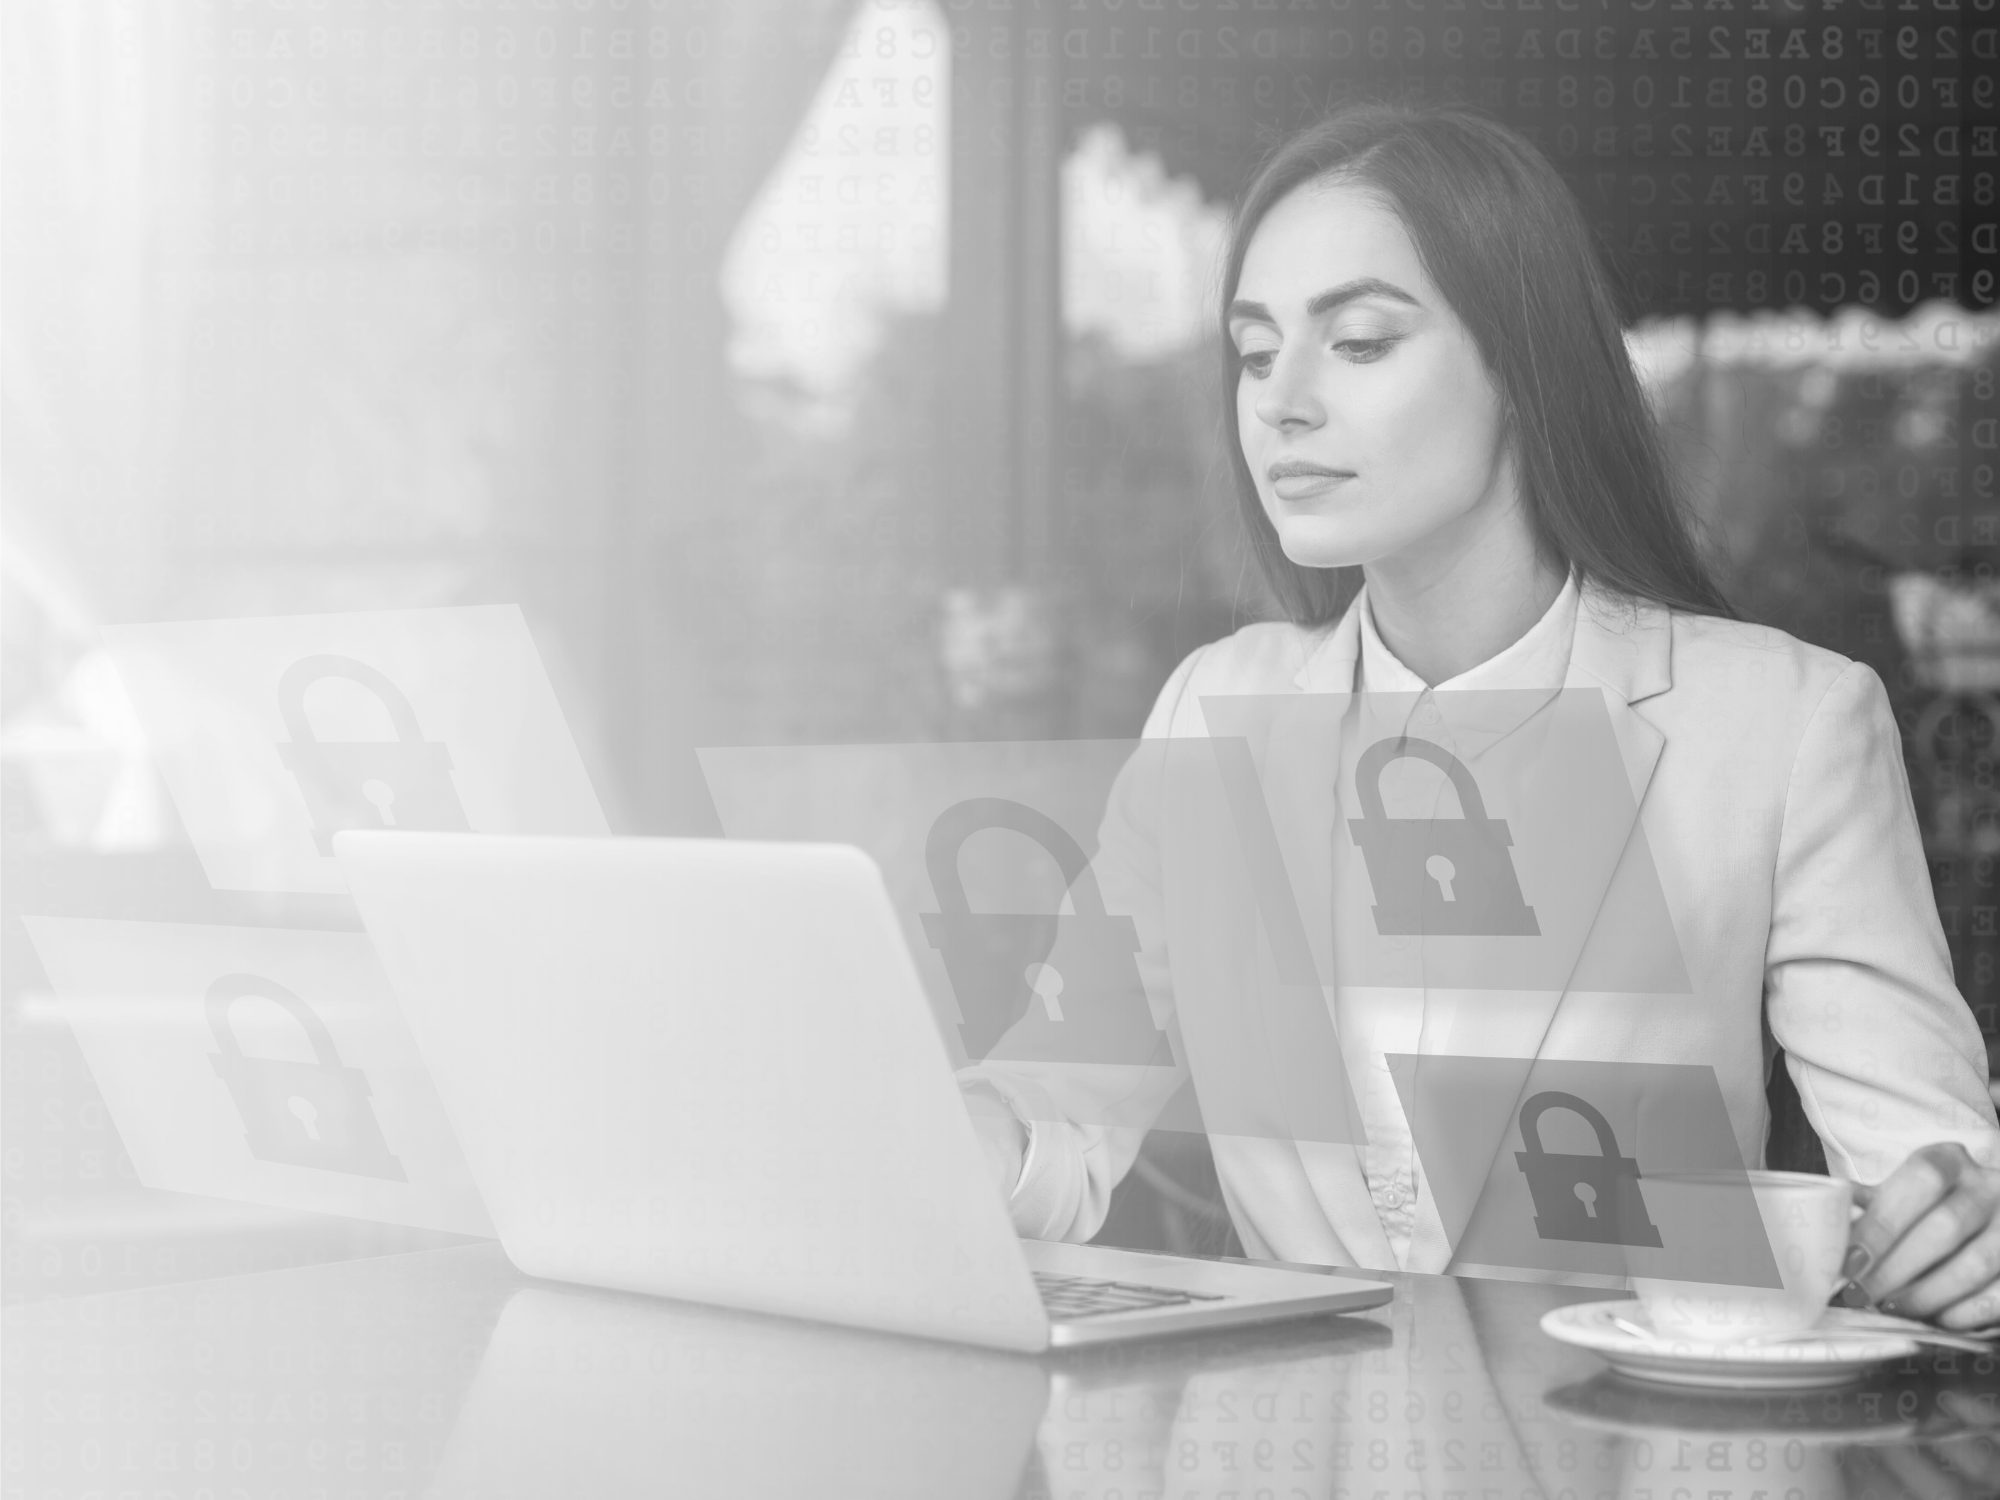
point(1256, 363)
point(1362, 351)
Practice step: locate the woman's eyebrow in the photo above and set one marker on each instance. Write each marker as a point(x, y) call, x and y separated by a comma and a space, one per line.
point(1347, 291)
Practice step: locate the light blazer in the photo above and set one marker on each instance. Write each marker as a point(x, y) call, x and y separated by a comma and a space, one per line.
point(1769, 779)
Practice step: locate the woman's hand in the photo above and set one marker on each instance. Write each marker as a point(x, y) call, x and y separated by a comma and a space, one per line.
point(1928, 1242)
point(1001, 1134)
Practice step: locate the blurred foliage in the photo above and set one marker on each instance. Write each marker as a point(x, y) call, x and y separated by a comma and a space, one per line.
point(1157, 561)
point(832, 563)
point(1817, 486)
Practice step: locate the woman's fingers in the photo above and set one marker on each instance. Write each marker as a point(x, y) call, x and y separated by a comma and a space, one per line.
point(1918, 1475)
point(1974, 1458)
point(1976, 1410)
point(1980, 1309)
point(1906, 1229)
point(1960, 1288)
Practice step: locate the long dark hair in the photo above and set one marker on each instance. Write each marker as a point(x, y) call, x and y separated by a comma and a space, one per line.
point(1503, 239)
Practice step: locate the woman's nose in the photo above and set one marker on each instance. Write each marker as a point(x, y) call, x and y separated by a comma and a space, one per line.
point(1287, 402)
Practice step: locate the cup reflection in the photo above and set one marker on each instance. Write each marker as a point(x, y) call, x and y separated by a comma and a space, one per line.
point(1887, 1438)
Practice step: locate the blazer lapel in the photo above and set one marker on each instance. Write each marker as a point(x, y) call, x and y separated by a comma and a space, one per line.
point(1625, 651)
point(1268, 898)
point(1301, 773)
point(1249, 955)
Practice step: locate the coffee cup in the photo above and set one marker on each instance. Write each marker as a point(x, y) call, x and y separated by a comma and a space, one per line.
point(1806, 1220)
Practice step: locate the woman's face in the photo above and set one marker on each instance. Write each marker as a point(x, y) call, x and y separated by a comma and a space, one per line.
point(1367, 417)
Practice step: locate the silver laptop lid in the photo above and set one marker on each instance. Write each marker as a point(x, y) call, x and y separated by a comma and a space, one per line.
point(698, 1068)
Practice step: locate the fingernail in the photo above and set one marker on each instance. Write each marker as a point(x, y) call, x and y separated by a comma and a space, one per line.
point(1858, 1257)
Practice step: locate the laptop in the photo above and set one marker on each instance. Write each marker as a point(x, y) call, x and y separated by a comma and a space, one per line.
point(707, 1069)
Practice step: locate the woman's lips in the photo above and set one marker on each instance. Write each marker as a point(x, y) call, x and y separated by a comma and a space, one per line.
point(1306, 486)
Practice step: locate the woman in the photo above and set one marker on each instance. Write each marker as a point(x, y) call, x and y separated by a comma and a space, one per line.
point(1429, 389)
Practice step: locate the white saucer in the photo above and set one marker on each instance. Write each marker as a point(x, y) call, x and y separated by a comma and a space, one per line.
point(1832, 1354)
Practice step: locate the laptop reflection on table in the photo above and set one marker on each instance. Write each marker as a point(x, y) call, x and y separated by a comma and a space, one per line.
point(708, 1070)
point(591, 1393)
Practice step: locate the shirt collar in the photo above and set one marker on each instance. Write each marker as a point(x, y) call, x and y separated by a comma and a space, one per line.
point(1481, 706)
point(1539, 659)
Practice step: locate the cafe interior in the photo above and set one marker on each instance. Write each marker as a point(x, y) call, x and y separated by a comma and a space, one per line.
point(845, 373)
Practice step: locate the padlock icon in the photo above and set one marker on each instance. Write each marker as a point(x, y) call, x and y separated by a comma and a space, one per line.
point(1591, 1198)
point(312, 1114)
point(1038, 987)
point(1447, 877)
point(400, 783)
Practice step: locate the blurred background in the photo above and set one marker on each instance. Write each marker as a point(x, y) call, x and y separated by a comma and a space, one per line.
point(820, 371)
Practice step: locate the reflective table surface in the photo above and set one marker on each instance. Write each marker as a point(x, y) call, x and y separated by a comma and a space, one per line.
point(448, 1373)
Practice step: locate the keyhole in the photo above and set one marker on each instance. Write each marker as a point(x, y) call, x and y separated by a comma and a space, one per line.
point(1589, 1196)
point(1047, 982)
point(308, 1116)
point(1443, 871)
point(382, 795)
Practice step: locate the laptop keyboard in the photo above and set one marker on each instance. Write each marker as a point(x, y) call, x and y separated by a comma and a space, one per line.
point(1071, 1297)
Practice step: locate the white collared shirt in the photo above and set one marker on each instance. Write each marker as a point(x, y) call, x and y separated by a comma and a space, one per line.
point(1373, 1023)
